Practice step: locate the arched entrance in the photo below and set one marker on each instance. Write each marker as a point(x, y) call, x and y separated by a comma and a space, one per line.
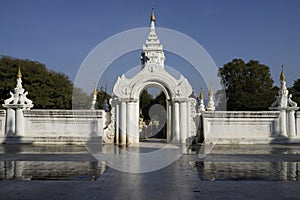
point(153, 115)
point(124, 126)
point(126, 104)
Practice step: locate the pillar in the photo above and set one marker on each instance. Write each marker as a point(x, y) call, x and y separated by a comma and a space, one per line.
point(169, 121)
point(291, 123)
point(132, 123)
point(19, 122)
point(183, 122)
point(189, 120)
point(283, 121)
point(10, 126)
point(176, 130)
point(117, 121)
point(137, 122)
point(123, 123)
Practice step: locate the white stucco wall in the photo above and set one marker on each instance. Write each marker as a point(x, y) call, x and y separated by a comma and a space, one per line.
point(62, 126)
point(240, 127)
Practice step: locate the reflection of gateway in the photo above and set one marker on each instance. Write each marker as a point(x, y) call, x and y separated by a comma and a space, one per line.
point(125, 102)
point(50, 170)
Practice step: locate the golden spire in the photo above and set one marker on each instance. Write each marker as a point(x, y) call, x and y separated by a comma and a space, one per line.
point(282, 76)
point(152, 16)
point(211, 92)
point(19, 75)
point(95, 90)
point(201, 94)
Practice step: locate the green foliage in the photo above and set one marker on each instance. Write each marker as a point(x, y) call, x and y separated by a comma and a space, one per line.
point(47, 89)
point(147, 100)
point(80, 100)
point(248, 86)
point(295, 91)
point(102, 95)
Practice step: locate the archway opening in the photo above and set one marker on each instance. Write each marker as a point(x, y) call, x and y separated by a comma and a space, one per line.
point(153, 115)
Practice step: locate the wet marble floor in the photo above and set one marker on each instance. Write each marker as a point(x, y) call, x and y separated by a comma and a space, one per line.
point(227, 172)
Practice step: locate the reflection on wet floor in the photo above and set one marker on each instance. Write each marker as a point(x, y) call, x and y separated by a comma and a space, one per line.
point(225, 162)
point(50, 170)
point(249, 149)
point(268, 171)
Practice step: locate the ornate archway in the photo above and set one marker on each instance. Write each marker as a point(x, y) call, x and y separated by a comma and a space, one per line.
point(125, 101)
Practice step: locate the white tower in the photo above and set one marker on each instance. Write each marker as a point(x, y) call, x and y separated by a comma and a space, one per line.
point(15, 106)
point(287, 108)
point(152, 49)
point(210, 103)
point(94, 102)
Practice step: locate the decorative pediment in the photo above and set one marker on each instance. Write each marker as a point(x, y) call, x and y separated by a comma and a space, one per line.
point(152, 75)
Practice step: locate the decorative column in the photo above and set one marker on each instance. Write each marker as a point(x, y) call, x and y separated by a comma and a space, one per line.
point(117, 129)
point(282, 123)
point(10, 122)
point(123, 123)
point(183, 122)
point(291, 122)
point(94, 102)
point(210, 103)
point(132, 123)
point(201, 106)
point(287, 107)
point(15, 106)
point(189, 121)
point(19, 122)
point(169, 121)
point(175, 123)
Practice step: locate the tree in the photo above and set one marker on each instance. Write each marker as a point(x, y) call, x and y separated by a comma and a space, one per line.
point(102, 96)
point(146, 100)
point(295, 91)
point(248, 86)
point(47, 89)
point(80, 100)
point(160, 99)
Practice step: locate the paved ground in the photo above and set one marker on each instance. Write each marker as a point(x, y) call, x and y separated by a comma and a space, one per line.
point(176, 181)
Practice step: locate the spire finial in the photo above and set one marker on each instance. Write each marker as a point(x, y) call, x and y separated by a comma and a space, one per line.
point(95, 90)
point(282, 76)
point(152, 15)
point(211, 92)
point(201, 94)
point(19, 75)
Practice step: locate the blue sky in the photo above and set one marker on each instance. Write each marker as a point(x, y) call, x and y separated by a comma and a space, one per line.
point(61, 33)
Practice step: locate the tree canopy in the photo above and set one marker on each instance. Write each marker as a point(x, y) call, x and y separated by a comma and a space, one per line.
point(248, 86)
point(295, 91)
point(47, 89)
point(147, 100)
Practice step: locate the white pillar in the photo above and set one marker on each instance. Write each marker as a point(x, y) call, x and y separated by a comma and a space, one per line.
point(129, 123)
point(291, 123)
point(10, 127)
point(137, 122)
point(19, 122)
point(189, 120)
point(176, 122)
point(123, 123)
point(183, 122)
point(283, 121)
point(117, 125)
point(169, 121)
point(132, 123)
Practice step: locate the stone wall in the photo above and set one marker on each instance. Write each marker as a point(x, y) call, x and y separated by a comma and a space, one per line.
point(59, 127)
point(225, 127)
